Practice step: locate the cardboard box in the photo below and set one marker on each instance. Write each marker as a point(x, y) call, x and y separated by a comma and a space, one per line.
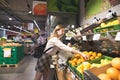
point(94, 72)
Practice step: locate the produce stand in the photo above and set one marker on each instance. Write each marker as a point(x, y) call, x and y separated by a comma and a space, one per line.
point(105, 43)
point(16, 54)
point(86, 75)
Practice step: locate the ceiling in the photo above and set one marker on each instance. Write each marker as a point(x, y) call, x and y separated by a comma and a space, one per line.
point(18, 10)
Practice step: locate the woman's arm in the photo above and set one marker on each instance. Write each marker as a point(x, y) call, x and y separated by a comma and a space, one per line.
point(82, 54)
point(64, 47)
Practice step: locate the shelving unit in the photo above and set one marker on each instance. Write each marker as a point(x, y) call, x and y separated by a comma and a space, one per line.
point(94, 28)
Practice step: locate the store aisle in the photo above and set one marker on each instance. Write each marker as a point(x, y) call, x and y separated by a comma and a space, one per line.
point(24, 71)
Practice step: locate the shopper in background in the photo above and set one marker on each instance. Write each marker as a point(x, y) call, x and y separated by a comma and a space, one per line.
point(34, 38)
point(43, 63)
point(41, 39)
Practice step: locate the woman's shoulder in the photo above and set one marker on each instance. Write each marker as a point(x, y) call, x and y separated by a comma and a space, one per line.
point(53, 38)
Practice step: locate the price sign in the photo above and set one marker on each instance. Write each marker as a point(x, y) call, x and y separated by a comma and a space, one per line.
point(68, 38)
point(84, 38)
point(7, 52)
point(96, 37)
point(117, 38)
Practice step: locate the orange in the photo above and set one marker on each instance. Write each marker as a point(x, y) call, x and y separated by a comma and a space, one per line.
point(91, 58)
point(113, 73)
point(99, 54)
point(104, 76)
point(94, 54)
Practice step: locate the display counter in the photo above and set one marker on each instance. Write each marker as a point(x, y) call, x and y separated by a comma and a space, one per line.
point(11, 54)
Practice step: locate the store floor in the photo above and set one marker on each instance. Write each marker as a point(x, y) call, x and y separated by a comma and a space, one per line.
point(24, 71)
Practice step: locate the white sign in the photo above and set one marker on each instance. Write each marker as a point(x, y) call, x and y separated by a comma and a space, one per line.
point(68, 38)
point(117, 38)
point(7, 52)
point(30, 26)
point(96, 37)
point(84, 38)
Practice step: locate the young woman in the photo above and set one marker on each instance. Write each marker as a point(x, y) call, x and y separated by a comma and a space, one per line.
point(43, 63)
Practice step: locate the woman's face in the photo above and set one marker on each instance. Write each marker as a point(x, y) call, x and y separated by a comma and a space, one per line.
point(61, 32)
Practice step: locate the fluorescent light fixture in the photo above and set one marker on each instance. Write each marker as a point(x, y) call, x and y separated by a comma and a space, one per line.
point(2, 26)
point(26, 31)
point(21, 29)
point(18, 27)
point(9, 30)
point(52, 19)
point(36, 25)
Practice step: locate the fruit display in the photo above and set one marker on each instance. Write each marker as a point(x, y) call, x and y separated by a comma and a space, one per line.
point(116, 63)
point(92, 54)
point(88, 65)
point(108, 26)
point(28, 41)
point(112, 72)
point(104, 76)
point(111, 23)
point(96, 59)
point(11, 44)
point(78, 59)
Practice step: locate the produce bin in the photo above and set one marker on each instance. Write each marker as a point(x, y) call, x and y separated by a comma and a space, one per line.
point(16, 55)
point(94, 72)
point(84, 75)
point(117, 27)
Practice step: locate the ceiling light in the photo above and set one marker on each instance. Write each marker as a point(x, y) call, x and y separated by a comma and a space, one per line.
point(10, 18)
point(9, 30)
point(72, 26)
point(8, 26)
point(2, 26)
point(21, 29)
point(30, 12)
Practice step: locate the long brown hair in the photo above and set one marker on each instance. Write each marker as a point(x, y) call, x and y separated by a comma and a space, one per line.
point(58, 27)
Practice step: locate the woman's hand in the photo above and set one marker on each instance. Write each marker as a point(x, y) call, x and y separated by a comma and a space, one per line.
point(84, 56)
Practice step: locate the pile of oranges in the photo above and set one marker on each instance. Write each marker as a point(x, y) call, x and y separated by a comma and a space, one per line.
point(92, 54)
point(78, 59)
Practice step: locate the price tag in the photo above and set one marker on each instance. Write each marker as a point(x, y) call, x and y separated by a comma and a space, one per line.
point(84, 38)
point(68, 38)
point(117, 38)
point(96, 37)
point(7, 52)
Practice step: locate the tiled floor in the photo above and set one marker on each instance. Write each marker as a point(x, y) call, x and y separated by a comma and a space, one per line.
point(24, 71)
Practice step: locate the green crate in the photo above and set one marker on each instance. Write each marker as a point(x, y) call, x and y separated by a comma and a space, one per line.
point(98, 59)
point(76, 73)
point(12, 61)
point(3, 60)
point(117, 27)
point(17, 54)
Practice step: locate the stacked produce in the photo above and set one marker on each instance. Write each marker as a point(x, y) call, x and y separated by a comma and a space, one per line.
point(108, 26)
point(111, 23)
point(96, 59)
point(78, 59)
point(11, 44)
point(113, 72)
